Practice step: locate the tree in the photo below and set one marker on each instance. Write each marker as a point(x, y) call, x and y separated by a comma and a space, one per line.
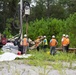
point(69, 6)
point(38, 11)
point(9, 10)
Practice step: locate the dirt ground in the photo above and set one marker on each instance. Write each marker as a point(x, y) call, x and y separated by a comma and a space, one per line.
point(17, 67)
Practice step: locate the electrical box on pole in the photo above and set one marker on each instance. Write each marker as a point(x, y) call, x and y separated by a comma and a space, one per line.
point(27, 8)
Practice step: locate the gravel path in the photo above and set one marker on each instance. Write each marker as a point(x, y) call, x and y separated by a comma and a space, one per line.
point(19, 68)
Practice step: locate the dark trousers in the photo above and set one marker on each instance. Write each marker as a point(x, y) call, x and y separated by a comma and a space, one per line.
point(1, 45)
point(44, 48)
point(67, 48)
point(52, 50)
point(64, 48)
point(37, 48)
point(21, 49)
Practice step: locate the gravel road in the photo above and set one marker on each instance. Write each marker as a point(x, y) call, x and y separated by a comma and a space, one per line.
point(17, 67)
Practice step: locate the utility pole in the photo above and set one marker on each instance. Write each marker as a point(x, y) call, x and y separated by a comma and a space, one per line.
point(27, 13)
point(21, 27)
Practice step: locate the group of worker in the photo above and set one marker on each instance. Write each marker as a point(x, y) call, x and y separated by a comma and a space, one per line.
point(23, 44)
point(43, 40)
point(53, 43)
point(65, 42)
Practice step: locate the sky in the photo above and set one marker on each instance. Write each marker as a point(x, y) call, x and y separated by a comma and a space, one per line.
point(32, 3)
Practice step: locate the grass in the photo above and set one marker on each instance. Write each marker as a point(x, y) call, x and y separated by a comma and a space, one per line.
point(1, 52)
point(44, 59)
point(60, 56)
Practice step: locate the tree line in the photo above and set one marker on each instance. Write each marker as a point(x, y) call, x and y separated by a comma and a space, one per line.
point(53, 26)
point(47, 17)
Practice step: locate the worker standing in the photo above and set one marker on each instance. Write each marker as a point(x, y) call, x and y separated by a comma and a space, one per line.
point(63, 43)
point(53, 44)
point(68, 43)
point(37, 41)
point(45, 43)
point(4, 39)
point(25, 44)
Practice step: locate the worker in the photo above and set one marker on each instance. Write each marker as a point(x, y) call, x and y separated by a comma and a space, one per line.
point(63, 43)
point(25, 44)
point(53, 44)
point(37, 41)
point(68, 43)
point(4, 39)
point(45, 43)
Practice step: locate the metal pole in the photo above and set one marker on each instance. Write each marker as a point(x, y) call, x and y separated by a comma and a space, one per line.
point(21, 27)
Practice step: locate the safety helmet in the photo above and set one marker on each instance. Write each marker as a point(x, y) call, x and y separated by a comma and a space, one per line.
point(67, 36)
point(44, 36)
point(53, 36)
point(25, 35)
point(64, 35)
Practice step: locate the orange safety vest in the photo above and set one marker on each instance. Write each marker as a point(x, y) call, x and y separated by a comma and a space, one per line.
point(64, 42)
point(67, 39)
point(37, 42)
point(53, 42)
point(25, 42)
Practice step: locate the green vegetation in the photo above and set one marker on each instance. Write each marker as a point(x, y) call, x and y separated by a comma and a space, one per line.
point(48, 17)
point(54, 26)
point(44, 58)
point(59, 10)
point(1, 52)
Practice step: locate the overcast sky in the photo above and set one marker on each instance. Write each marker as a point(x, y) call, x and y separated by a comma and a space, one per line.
point(32, 3)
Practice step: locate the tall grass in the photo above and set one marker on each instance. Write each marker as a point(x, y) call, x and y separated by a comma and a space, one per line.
point(44, 56)
point(44, 59)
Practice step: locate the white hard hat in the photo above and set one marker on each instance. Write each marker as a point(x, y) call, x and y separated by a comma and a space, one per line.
point(67, 36)
point(53, 36)
point(44, 36)
point(63, 34)
point(25, 35)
